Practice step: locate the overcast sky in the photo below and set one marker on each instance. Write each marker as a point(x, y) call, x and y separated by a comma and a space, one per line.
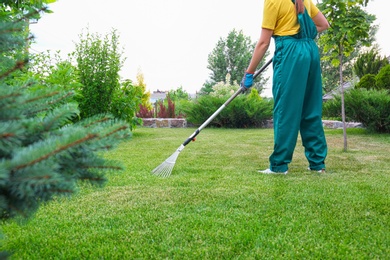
point(168, 40)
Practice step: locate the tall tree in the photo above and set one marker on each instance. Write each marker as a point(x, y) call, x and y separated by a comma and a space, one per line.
point(350, 24)
point(231, 55)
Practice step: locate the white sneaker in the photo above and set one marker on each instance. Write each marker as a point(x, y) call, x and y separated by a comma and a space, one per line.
point(320, 171)
point(268, 171)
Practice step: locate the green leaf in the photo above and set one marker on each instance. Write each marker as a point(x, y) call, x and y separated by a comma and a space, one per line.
point(335, 62)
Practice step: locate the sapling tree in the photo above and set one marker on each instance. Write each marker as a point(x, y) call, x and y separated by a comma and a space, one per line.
point(350, 24)
point(330, 73)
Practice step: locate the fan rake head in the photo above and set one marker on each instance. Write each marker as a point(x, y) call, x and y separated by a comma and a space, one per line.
point(165, 169)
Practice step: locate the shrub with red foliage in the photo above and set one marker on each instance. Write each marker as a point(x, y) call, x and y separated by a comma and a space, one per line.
point(144, 112)
point(166, 111)
point(162, 110)
point(171, 108)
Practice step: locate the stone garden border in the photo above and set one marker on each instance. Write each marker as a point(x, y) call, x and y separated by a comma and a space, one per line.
point(182, 123)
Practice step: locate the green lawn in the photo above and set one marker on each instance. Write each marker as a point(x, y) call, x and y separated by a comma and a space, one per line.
point(216, 206)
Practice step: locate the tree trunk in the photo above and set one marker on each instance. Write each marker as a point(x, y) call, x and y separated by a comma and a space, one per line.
point(342, 100)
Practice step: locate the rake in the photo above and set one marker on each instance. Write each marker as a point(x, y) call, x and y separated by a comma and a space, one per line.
point(165, 169)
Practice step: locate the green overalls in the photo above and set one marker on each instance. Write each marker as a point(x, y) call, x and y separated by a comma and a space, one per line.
point(297, 92)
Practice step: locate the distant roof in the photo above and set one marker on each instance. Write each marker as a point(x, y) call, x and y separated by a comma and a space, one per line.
point(336, 91)
point(161, 95)
point(157, 95)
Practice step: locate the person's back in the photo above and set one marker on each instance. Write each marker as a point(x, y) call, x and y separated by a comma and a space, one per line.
point(297, 82)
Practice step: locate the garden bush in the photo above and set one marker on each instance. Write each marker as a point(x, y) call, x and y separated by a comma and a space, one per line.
point(166, 110)
point(369, 62)
point(383, 78)
point(145, 112)
point(181, 106)
point(98, 62)
point(368, 81)
point(173, 106)
point(245, 111)
point(161, 109)
point(180, 98)
point(126, 102)
point(369, 107)
point(331, 109)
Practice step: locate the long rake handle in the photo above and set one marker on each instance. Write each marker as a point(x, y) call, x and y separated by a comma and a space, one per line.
point(239, 91)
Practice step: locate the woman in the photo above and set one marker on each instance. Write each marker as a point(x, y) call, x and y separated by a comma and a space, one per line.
point(297, 82)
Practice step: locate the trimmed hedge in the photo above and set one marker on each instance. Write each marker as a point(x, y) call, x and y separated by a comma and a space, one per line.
point(245, 111)
point(383, 78)
point(369, 107)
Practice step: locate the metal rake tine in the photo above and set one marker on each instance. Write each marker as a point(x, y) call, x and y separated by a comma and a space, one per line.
point(168, 171)
point(159, 171)
point(165, 169)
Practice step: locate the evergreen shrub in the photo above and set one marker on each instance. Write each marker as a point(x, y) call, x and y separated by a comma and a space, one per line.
point(245, 111)
point(368, 81)
point(370, 107)
point(180, 107)
point(383, 78)
point(43, 154)
point(331, 109)
point(369, 62)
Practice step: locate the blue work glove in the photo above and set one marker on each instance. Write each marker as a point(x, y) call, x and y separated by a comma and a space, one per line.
point(247, 80)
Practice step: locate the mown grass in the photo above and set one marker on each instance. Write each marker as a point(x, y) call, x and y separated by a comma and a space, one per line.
point(216, 206)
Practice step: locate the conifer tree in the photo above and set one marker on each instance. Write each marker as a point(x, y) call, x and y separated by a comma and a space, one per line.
point(369, 62)
point(145, 93)
point(42, 153)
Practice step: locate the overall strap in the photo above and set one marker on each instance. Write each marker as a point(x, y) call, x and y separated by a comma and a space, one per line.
point(307, 27)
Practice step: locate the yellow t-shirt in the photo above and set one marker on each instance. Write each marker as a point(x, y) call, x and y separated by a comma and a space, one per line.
point(281, 17)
